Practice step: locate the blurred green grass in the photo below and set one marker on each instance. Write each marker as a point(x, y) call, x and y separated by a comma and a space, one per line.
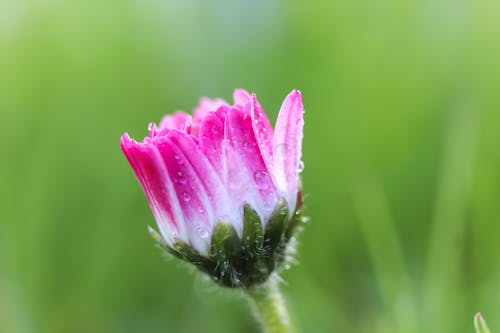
point(402, 154)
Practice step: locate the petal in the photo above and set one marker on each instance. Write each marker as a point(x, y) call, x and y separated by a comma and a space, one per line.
point(241, 96)
point(150, 170)
point(205, 106)
point(211, 138)
point(262, 130)
point(223, 206)
point(239, 131)
point(287, 146)
point(192, 195)
point(179, 120)
point(228, 165)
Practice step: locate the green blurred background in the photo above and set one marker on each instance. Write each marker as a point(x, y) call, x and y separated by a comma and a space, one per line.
point(402, 155)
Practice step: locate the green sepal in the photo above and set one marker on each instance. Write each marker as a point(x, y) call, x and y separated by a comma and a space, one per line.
point(162, 244)
point(183, 251)
point(225, 243)
point(225, 252)
point(276, 226)
point(189, 254)
point(296, 218)
point(253, 233)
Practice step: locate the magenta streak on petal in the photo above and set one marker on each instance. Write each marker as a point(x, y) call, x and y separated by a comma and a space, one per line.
point(179, 120)
point(287, 145)
point(193, 197)
point(223, 206)
point(152, 175)
point(262, 130)
point(242, 137)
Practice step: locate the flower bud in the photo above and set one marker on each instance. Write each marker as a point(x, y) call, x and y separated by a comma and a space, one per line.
point(224, 186)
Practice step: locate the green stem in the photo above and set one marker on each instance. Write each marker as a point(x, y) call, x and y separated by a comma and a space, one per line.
point(268, 306)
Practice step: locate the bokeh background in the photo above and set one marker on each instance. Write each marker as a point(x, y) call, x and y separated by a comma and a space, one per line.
point(402, 156)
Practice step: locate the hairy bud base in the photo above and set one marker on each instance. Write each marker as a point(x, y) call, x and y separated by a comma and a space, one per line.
point(236, 262)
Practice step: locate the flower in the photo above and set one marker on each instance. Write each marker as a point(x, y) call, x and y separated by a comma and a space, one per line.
point(224, 187)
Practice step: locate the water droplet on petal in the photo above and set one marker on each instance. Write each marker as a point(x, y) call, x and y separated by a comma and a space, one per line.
point(202, 232)
point(186, 197)
point(261, 179)
point(247, 145)
point(300, 167)
point(178, 159)
point(181, 178)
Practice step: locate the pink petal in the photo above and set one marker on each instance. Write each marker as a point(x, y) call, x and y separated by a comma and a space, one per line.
point(205, 106)
point(192, 195)
point(262, 130)
point(241, 96)
point(179, 120)
point(287, 146)
point(211, 138)
point(150, 170)
point(228, 165)
point(223, 206)
point(239, 131)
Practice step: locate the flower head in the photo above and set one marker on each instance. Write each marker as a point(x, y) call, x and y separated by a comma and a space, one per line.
point(224, 186)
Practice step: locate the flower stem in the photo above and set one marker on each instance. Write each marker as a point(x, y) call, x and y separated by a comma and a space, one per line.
point(268, 306)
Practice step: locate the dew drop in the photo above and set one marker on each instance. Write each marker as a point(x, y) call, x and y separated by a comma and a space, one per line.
point(300, 167)
point(186, 197)
point(261, 179)
point(181, 178)
point(202, 232)
point(178, 159)
point(247, 145)
point(305, 219)
point(287, 266)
